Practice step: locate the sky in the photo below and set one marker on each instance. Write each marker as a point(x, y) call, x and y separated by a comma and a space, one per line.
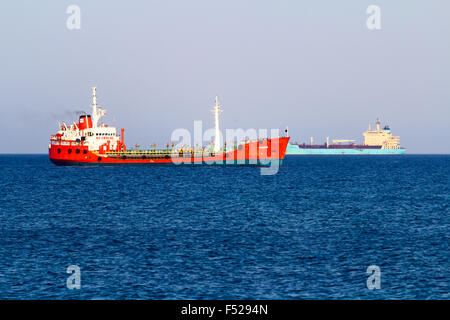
point(311, 65)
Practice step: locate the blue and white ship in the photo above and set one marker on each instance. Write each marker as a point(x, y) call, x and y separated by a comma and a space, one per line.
point(376, 142)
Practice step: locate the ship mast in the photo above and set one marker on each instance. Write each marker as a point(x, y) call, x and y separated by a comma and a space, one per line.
point(216, 111)
point(97, 111)
point(94, 107)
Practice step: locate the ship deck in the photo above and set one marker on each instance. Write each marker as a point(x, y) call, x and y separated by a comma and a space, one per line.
point(334, 146)
point(158, 154)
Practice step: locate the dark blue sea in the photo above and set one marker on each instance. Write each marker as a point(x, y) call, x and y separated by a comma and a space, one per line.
point(308, 232)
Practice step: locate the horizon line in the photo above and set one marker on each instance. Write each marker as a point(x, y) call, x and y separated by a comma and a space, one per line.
point(406, 154)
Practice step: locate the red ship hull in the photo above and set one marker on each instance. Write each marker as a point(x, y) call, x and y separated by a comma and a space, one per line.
point(257, 153)
point(89, 142)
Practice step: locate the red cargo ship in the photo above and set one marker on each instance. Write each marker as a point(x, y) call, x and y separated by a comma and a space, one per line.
point(90, 143)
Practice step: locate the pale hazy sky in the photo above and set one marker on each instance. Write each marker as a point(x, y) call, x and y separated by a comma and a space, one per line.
point(312, 65)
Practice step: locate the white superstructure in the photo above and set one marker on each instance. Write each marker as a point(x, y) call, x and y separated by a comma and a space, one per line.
point(89, 130)
point(381, 137)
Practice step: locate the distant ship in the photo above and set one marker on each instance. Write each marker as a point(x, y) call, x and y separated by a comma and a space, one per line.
point(376, 142)
point(89, 142)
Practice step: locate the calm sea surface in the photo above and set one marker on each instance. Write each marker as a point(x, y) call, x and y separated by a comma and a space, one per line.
point(309, 232)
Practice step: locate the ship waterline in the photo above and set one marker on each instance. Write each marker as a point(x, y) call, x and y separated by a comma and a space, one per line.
point(294, 149)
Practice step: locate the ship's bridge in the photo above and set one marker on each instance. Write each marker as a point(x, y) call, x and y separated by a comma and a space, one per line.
point(95, 137)
point(382, 138)
point(88, 131)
